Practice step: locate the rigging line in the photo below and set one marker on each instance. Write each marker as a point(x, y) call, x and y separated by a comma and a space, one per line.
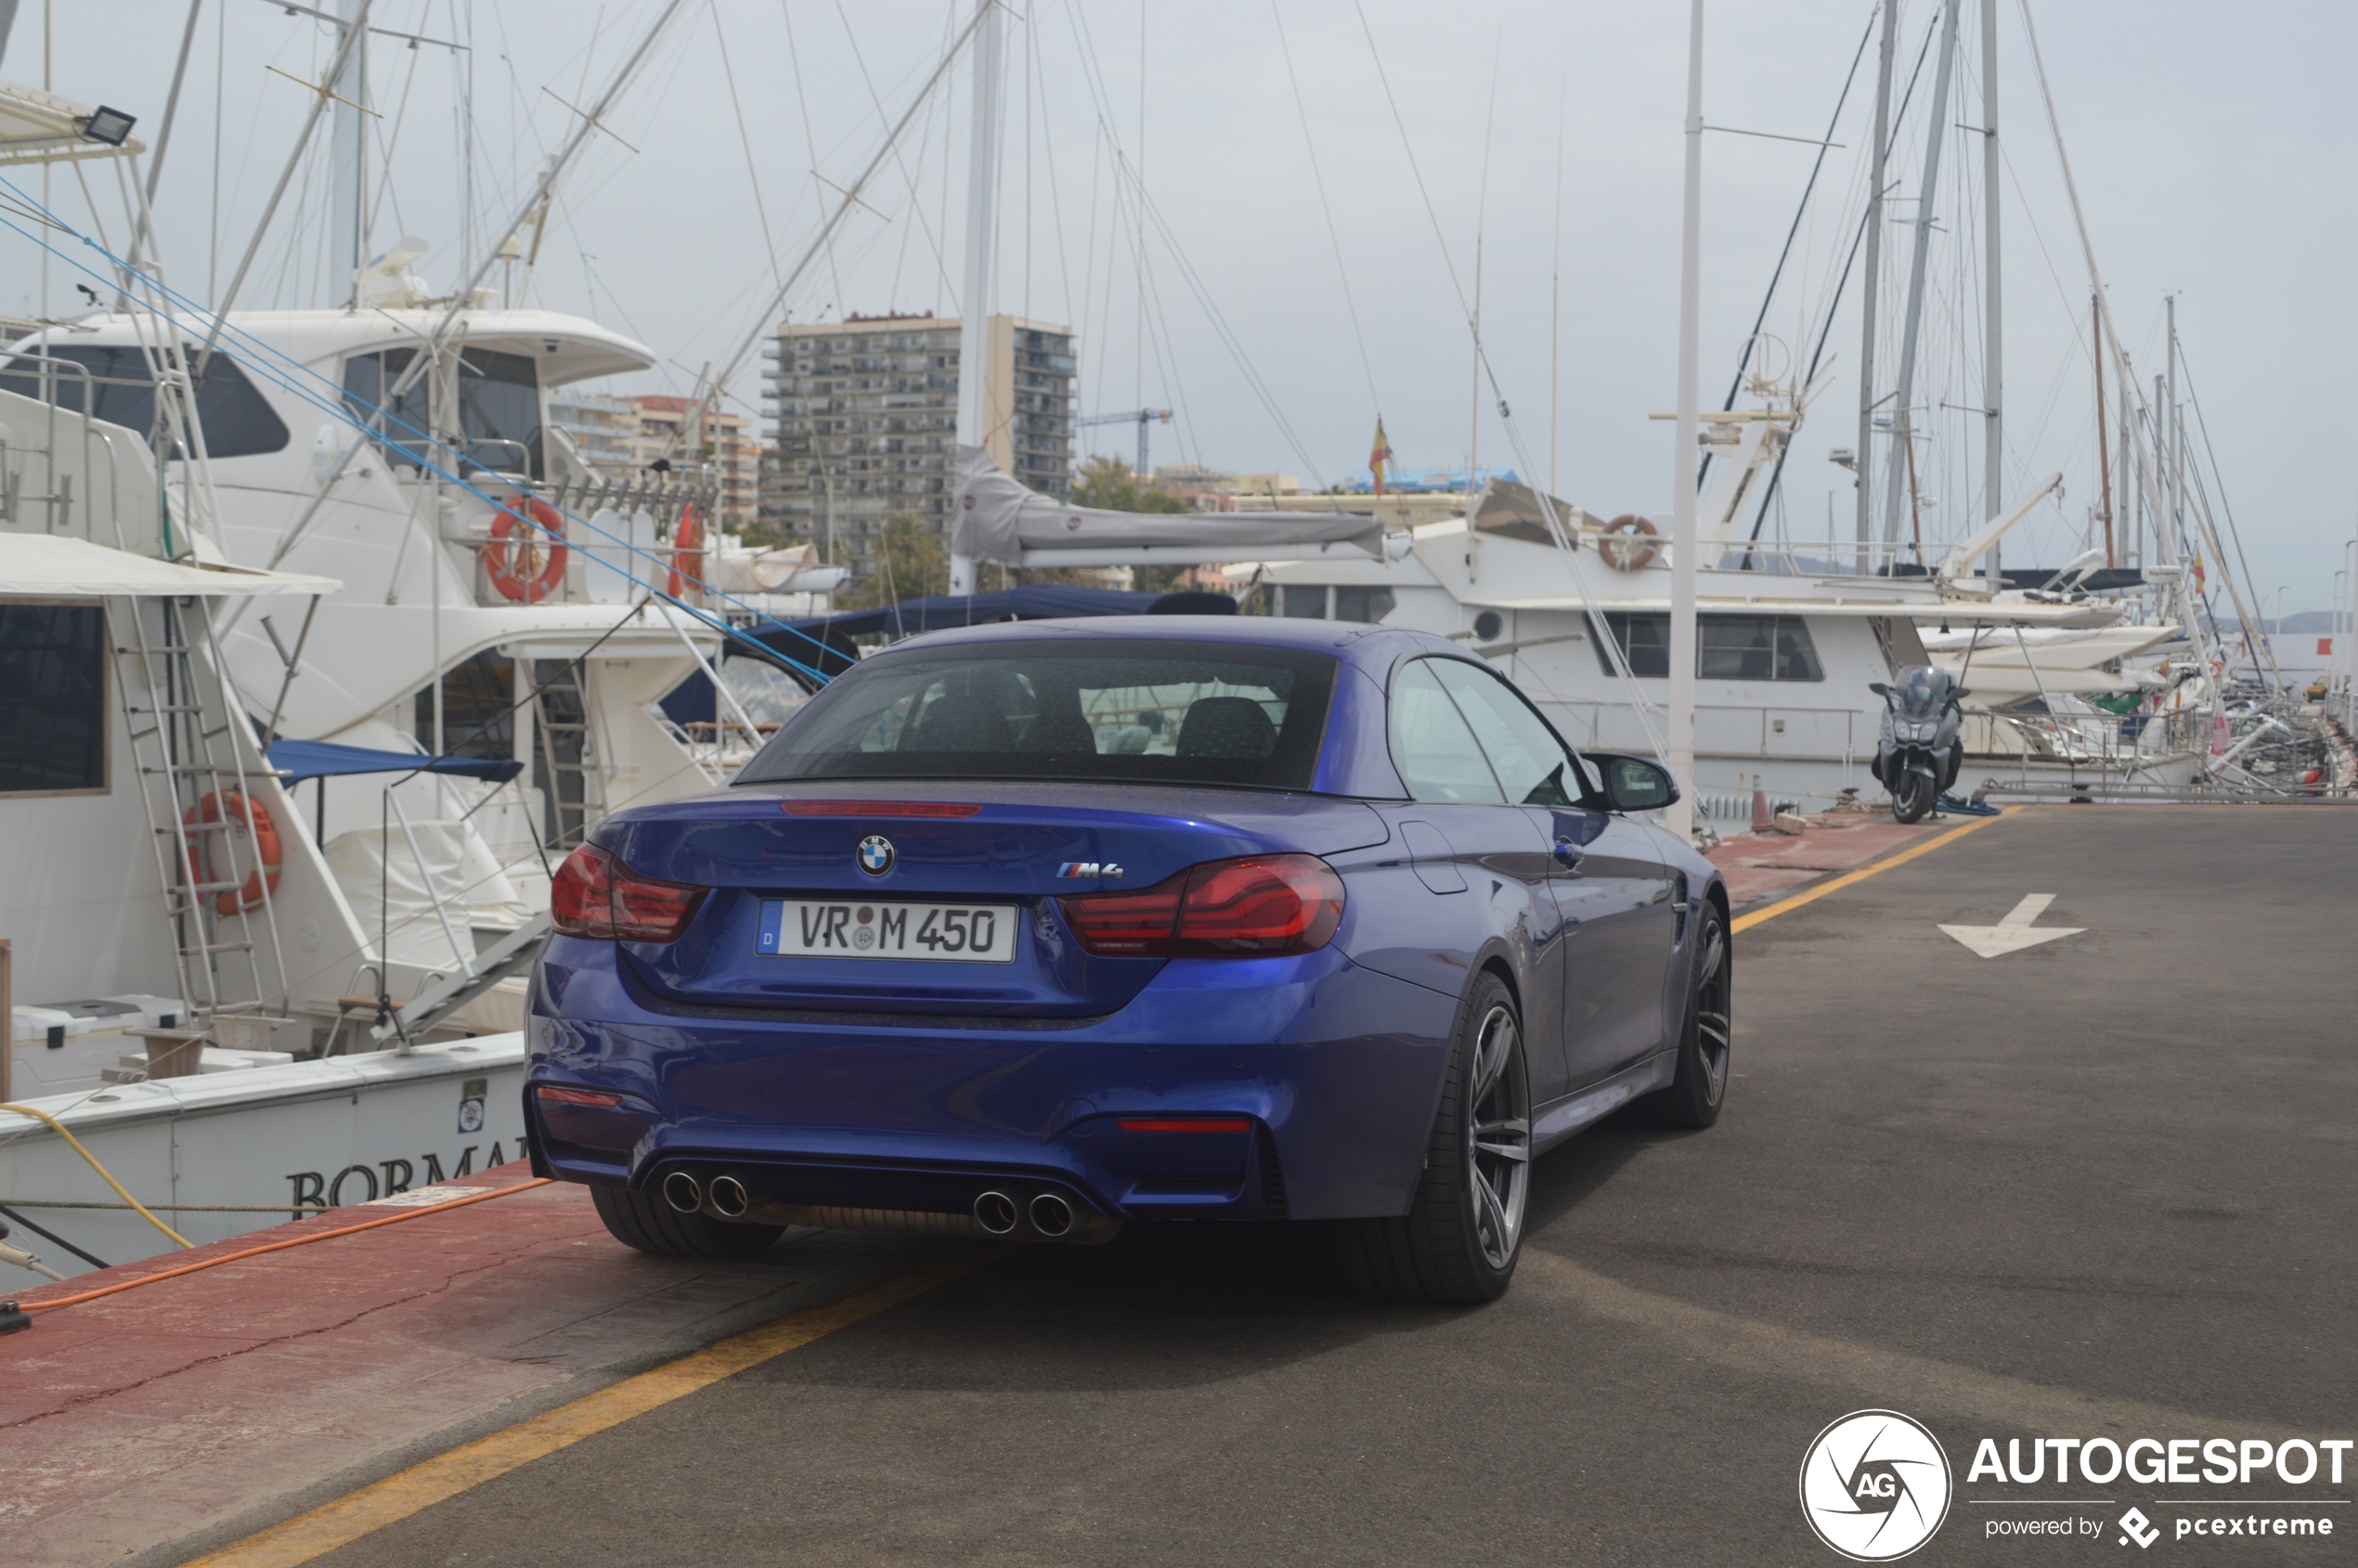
point(753, 174)
point(1138, 280)
point(1149, 210)
point(1744, 360)
point(1439, 237)
point(1834, 305)
point(1228, 335)
point(1334, 239)
point(1030, 85)
point(387, 144)
point(220, 99)
point(2202, 427)
point(811, 147)
point(916, 207)
point(1166, 355)
point(1048, 149)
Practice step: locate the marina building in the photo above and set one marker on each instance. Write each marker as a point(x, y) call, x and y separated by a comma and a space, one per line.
point(866, 413)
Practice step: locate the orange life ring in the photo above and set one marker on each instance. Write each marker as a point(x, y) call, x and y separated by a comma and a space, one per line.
point(230, 807)
point(518, 547)
point(1629, 543)
point(687, 556)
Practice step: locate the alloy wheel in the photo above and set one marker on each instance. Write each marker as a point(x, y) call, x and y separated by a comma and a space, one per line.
point(1499, 1137)
point(1713, 998)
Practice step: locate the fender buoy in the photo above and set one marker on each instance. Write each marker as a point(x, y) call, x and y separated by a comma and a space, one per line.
point(526, 560)
point(687, 554)
point(1629, 543)
point(229, 806)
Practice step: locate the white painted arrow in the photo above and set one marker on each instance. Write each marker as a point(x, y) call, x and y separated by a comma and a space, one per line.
point(2015, 932)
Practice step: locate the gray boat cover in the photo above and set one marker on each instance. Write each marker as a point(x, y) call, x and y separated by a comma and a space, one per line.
point(998, 519)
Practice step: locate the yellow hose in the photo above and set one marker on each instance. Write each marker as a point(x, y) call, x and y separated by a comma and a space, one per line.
point(61, 1131)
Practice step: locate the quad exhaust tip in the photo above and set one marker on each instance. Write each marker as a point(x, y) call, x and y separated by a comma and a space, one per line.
point(996, 1214)
point(729, 1198)
point(679, 1190)
point(1050, 1215)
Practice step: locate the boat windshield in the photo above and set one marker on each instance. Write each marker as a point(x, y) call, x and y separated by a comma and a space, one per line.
point(499, 412)
point(1922, 692)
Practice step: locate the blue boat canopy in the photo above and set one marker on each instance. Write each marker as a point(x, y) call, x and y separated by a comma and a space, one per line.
point(299, 761)
point(819, 650)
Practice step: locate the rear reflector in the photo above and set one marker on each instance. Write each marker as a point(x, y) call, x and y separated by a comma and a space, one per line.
point(555, 1096)
point(1263, 906)
point(1186, 1124)
point(876, 808)
point(595, 895)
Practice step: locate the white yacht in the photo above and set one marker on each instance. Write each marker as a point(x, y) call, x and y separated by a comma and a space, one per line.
point(1789, 635)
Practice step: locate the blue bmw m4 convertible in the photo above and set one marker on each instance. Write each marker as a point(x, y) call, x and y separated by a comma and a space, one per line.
point(1035, 930)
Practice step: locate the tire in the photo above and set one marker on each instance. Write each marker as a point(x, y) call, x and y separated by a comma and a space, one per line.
point(1912, 796)
point(1463, 1232)
point(1699, 1087)
point(647, 1222)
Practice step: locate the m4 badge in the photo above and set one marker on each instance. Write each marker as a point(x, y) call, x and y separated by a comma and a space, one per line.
point(1106, 869)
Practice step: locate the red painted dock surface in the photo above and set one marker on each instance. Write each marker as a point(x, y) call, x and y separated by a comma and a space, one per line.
point(195, 1409)
point(184, 1414)
point(1763, 866)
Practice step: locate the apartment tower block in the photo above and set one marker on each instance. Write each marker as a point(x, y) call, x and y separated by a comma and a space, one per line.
point(867, 416)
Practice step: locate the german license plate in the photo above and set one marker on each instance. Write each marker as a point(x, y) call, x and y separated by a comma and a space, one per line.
point(958, 933)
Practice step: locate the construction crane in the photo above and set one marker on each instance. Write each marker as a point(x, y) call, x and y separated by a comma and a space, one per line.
point(1143, 417)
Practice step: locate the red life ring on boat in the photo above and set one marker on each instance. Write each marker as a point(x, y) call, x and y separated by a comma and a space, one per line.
point(230, 807)
point(526, 560)
point(687, 556)
point(1629, 543)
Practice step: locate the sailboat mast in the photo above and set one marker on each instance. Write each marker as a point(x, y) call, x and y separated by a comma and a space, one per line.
point(2103, 443)
point(348, 161)
point(1993, 487)
point(1903, 450)
point(1863, 465)
point(974, 326)
point(1679, 817)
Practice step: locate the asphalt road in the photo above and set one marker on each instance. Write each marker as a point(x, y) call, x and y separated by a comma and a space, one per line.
point(2102, 1186)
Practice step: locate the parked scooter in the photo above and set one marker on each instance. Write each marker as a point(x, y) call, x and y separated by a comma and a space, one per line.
point(1922, 745)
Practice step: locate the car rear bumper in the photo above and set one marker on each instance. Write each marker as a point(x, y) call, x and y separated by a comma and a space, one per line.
point(1300, 1087)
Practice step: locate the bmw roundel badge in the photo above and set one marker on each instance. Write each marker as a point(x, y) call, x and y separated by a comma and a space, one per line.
point(876, 854)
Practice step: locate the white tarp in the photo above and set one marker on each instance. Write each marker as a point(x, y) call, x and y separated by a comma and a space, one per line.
point(999, 520)
point(388, 886)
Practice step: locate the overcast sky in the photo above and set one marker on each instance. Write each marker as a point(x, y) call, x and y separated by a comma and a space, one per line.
point(2211, 145)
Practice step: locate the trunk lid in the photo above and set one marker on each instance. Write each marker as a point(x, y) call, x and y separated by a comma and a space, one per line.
point(771, 860)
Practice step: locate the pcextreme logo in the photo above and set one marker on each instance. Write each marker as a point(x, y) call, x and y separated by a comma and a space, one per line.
point(1875, 1486)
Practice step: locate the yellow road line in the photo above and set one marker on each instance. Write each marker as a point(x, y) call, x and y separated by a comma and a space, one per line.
point(1812, 894)
point(395, 1497)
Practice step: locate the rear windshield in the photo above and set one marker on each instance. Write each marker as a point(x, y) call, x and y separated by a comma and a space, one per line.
point(1149, 712)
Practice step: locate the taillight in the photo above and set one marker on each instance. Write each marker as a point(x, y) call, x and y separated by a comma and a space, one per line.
point(1260, 906)
point(551, 1095)
point(1127, 925)
point(595, 895)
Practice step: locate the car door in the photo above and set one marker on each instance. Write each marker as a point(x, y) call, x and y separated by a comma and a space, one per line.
point(1466, 840)
point(1610, 886)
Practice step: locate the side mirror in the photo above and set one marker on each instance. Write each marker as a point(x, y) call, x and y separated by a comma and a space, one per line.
point(1881, 688)
point(1960, 695)
point(1632, 783)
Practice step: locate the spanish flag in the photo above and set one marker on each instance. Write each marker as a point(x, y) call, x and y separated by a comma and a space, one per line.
point(1380, 455)
point(2200, 582)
